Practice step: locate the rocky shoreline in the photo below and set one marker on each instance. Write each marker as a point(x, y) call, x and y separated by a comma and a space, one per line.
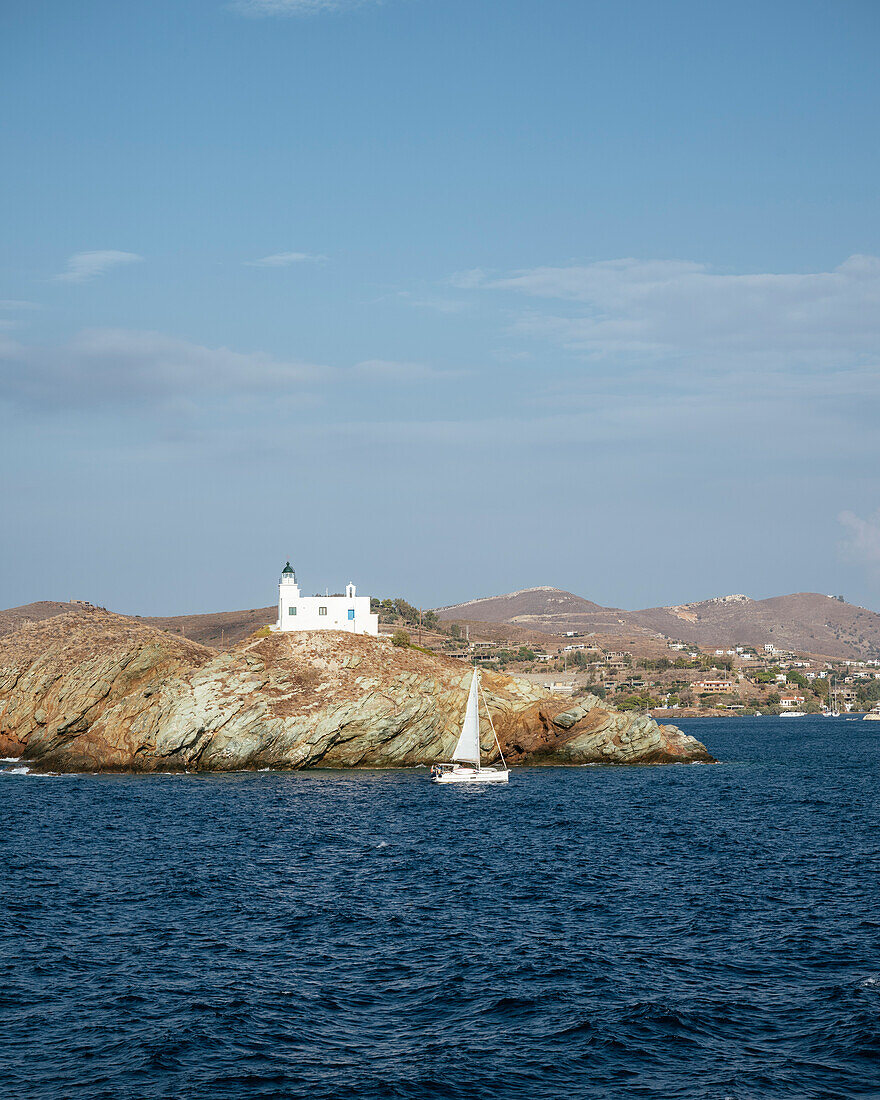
point(94, 691)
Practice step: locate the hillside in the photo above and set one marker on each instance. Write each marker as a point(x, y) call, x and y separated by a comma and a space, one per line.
point(13, 618)
point(525, 605)
point(93, 691)
point(218, 630)
point(806, 621)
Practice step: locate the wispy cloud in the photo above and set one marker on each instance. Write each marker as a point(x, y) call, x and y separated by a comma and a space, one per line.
point(654, 311)
point(14, 304)
point(389, 370)
point(127, 368)
point(296, 7)
point(437, 303)
point(124, 367)
point(285, 259)
point(83, 266)
point(861, 544)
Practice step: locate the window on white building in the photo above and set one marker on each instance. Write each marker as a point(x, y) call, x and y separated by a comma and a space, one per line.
point(291, 611)
point(322, 610)
point(351, 613)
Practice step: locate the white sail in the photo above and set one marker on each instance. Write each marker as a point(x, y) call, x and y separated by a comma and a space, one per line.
point(468, 748)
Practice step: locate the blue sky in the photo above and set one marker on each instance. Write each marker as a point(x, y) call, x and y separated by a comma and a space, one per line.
point(446, 298)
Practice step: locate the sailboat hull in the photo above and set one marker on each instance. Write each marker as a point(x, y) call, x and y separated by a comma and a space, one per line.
point(473, 775)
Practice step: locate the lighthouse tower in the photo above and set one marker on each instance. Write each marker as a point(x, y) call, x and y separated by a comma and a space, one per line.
point(297, 612)
point(288, 594)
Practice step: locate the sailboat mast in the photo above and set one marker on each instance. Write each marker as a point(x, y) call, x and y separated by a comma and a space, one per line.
point(492, 725)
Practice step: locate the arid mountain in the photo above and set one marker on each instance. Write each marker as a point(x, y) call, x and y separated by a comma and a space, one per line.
point(551, 611)
point(13, 618)
point(806, 621)
point(525, 605)
point(219, 630)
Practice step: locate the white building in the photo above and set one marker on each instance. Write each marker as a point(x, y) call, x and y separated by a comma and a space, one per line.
point(297, 612)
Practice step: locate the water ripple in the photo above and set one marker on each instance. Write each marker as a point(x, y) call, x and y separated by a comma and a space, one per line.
point(598, 932)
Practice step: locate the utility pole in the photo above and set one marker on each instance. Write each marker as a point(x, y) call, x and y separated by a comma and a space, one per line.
point(420, 626)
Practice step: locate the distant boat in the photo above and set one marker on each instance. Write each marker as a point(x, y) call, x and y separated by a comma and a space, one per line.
point(465, 766)
point(793, 714)
point(832, 711)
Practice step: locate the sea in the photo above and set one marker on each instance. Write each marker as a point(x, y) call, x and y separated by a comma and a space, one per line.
point(686, 931)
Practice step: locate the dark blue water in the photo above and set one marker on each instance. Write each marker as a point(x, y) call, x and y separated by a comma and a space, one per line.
point(689, 931)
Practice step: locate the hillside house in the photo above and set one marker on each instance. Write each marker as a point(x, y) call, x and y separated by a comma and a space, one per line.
point(791, 701)
point(715, 687)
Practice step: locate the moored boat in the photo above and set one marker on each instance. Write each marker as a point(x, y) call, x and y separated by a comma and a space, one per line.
point(832, 710)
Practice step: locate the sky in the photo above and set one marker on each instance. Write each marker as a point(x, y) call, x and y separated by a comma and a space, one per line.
point(445, 297)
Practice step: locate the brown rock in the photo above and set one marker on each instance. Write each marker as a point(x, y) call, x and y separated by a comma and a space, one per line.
point(94, 691)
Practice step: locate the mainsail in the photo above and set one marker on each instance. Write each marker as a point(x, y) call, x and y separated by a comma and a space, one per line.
point(468, 748)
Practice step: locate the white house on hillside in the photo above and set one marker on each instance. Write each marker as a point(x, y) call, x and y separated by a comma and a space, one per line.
point(349, 612)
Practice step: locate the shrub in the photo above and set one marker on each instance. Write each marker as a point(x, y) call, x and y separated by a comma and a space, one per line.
point(400, 638)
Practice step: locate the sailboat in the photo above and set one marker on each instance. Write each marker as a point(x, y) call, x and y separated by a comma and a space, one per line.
point(832, 710)
point(465, 766)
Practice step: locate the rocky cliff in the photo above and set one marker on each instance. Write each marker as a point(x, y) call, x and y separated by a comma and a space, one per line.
point(93, 691)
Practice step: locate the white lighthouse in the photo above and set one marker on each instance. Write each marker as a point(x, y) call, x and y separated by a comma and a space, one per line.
point(297, 612)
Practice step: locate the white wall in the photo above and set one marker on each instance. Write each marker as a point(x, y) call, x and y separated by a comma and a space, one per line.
point(337, 617)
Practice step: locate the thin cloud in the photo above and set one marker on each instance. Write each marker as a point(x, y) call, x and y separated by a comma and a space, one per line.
point(470, 280)
point(14, 306)
point(83, 266)
point(389, 370)
point(862, 542)
point(677, 310)
point(125, 367)
point(297, 7)
point(435, 303)
point(285, 259)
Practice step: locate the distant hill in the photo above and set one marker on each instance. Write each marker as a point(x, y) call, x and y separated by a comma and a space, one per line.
point(806, 621)
point(13, 618)
point(218, 630)
point(527, 604)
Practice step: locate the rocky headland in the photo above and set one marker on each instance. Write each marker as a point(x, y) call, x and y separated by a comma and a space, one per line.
point(94, 691)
